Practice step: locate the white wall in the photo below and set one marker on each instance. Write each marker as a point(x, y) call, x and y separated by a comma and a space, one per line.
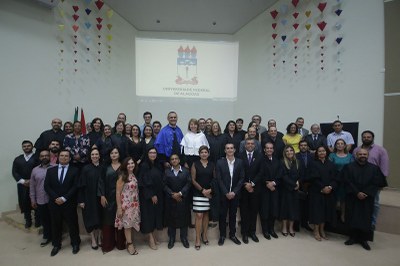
point(32, 93)
point(355, 93)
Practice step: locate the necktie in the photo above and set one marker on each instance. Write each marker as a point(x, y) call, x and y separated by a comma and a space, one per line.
point(249, 157)
point(62, 174)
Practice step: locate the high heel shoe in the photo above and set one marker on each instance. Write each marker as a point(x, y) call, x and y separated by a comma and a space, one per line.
point(323, 235)
point(205, 242)
point(284, 233)
point(292, 234)
point(134, 252)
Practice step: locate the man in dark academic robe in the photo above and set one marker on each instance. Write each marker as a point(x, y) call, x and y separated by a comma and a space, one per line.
point(362, 181)
point(250, 194)
point(306, 159)
point(177, 182)
point(21, 171)
point(230, 177)
point(55, 133)
point(61, 186)
point(271, 172)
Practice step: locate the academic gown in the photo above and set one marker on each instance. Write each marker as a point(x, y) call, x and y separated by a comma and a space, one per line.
point(135, 150)
point(365, 178)
point(87, 194)
point(271, 170)
point(216, 147)
point(289, 197)
point(177, 213)
point(322, 207)
point(107, 188)
point(150, 180)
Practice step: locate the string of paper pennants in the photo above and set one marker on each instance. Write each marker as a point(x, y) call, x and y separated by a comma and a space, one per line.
point(302, 25)
point(84, 34)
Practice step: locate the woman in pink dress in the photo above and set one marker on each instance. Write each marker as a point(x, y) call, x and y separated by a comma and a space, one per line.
point(128, 209)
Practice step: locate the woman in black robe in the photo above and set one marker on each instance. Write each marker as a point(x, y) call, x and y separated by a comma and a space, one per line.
point(322, 202)
point(135, 145)
point(289, 198)
point(147, 140)
point(104, 144)
point(150, 178)
point(177, 183)
point(216, 141)
point(106, 192)
point(87, 196)
point(97, 127)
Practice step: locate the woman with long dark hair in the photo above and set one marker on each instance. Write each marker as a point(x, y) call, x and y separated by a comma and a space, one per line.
point(128, 207)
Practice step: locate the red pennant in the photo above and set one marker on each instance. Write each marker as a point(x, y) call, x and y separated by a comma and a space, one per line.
point(274, 25)
point(75, 28)
point(99, 26)
point(321, 25)
point(76, 8)
point(274, 14)
point(321, 6)
point(322, 38)
point(295, 40)
point(295, 26)
point(274, 36)
point(99, 4)
point(99, 20)
point(295, 2)
point(295, 15)
point(75, 16)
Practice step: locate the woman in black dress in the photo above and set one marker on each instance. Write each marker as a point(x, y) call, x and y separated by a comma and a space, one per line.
point(107, 194)
point(104, 143)
point(216, 142)
point(148, 139)
point(289, 208)
point(322, 202)
point(202, 175)
point(87, 196)
point(135, 146)
point(97, 128)
point(151, 186)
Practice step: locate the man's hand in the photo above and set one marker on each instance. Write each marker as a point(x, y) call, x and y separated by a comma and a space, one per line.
point(361, 195)
point(59, 201)
point(177, 196)
point(271, 185)
point(103, 201)
point(248, 187)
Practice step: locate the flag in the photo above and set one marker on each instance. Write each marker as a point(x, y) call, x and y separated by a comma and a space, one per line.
point(83, 123)
point(76, 114)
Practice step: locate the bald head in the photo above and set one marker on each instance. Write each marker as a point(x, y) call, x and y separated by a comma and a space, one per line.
point(362, 156)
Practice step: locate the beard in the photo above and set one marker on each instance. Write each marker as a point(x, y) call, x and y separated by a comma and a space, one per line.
point(55, 150)
point(367, 142)
point(45, 161)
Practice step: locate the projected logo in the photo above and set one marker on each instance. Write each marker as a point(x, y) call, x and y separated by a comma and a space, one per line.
point(186, 66)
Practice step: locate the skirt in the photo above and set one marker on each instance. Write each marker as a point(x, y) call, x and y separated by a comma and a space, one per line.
point(201, 204)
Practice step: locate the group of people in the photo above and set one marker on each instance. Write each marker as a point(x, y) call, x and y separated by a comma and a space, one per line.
point(148, 177)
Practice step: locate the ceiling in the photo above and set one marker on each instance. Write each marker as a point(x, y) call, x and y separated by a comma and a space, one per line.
point(199, 16)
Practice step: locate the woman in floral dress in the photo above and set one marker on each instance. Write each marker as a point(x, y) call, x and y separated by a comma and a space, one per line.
point(128, 209)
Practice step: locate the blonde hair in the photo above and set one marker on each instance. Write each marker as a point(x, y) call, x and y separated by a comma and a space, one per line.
point(288, 163)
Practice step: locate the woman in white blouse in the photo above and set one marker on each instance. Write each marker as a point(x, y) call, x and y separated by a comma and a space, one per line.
point(191, 143)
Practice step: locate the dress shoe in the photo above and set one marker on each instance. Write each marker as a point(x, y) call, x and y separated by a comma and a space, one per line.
point(95, 247)
point(350, 242)
point(273, 234)
point(267, 236)
point(75, 249)
point(212, 225)
point(254, 238)
point(28, 224)
point(245, 239)
point(285, 233)
point(235, 240)
point(221, 240)
point(45, 242)
point(365, 245)
point(54, 251)
point(185, 242)
point(292, 234)
point(171, 243)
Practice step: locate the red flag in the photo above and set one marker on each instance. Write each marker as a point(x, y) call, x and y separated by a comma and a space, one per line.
point(83, 123)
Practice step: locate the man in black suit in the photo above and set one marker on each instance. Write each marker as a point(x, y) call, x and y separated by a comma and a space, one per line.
point(21, 171)
point(230, 176)
point(250, 194)
point(55, 133)
point(315, 138)
point(302, 131)
point(305, 158)
point(61, 186)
